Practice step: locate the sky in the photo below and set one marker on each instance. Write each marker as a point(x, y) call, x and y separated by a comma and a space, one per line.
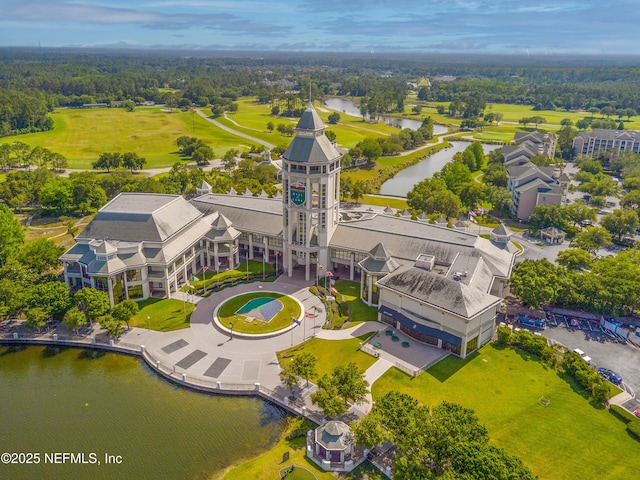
point(541, 27)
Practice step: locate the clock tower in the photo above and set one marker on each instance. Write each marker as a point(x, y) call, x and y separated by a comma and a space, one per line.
point(310, 195)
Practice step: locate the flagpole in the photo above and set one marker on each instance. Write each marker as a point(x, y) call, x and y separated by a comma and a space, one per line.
point(247, 265)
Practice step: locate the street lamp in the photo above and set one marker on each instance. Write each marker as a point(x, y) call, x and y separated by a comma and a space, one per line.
point(231, 325)
point(149, 320)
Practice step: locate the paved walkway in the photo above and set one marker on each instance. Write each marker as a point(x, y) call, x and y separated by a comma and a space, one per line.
point(204, 355)
point(206, 352)
point(234, 132)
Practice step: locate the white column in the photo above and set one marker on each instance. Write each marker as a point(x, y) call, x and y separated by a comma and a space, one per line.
point(351, 262)
point(109, 284)
point(250, 246)
point(307, 269)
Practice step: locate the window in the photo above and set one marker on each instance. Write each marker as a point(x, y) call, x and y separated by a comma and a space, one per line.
point(135, 291)
point(134, 275)
point(275, 242)
point(472, 345)
point(101, 283)
point(302, 228)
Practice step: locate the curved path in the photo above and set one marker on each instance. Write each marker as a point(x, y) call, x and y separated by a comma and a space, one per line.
point(234, 132)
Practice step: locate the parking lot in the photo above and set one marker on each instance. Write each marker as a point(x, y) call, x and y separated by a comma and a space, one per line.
point(622, 359)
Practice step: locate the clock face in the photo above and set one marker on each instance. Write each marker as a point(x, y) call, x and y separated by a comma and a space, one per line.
point(298, 193)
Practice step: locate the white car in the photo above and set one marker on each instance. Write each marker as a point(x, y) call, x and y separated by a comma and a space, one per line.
point(583, 355)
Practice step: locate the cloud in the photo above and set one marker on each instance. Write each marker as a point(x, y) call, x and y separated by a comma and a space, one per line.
point(167, 26)
point(458, 46)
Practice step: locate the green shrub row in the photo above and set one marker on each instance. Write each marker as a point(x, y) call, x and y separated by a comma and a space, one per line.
point(622, 414)
point(632, 422)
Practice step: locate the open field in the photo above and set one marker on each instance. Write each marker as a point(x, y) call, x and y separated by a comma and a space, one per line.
point(81, 135)
point(252, 118)
point(331, 353)
point(397, 203)
point(567, 439)
point(511, 114)
point(163, 315)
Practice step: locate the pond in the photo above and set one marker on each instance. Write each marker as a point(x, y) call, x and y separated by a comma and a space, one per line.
point(407, 178)
point(79, 401)
point(349, 107)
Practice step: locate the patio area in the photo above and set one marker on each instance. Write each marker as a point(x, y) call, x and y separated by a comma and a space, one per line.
point(405, 352)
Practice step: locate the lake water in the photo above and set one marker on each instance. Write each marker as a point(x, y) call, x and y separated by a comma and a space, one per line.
point(77, 401)
point(407, 178)
point(350, 107)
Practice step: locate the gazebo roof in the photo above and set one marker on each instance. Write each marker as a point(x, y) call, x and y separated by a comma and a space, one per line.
point(334, 435)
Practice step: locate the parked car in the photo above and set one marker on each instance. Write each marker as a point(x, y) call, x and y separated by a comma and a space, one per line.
point(610, 375)
point(583, 355)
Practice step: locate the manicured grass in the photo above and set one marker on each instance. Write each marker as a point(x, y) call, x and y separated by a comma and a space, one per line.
point(227, 313)
point(252, 118)
point(331, 353)
point(397, 203)
point(211, 278)
point(568, 439)
point(350, 293)
point(164, 315)
point(267, 466)
point(82, 135)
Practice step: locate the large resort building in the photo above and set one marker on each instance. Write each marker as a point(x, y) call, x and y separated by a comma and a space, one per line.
point(440, 285)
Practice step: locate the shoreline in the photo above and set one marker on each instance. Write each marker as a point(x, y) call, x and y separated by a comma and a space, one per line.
point(170, 375)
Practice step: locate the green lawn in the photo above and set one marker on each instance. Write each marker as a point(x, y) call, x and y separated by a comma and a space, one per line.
point(82, 135)
point(211, 278)
point(568, 439)
point(252, 118)
point(350, 293)
point(164, 315)
point(331, 353)
point(397, 203)
point(267, 466)
point(227, 313)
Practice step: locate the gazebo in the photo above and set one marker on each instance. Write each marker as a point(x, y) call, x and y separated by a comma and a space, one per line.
point(552, 235)
point(331, 446)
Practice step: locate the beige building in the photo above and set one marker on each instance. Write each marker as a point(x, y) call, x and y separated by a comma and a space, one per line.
point(441, 285)
point(599, 139)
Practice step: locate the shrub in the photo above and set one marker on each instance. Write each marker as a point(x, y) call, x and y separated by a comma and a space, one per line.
point(622, 414)
point(504, 335)
point(634, 428)
point(314, 290)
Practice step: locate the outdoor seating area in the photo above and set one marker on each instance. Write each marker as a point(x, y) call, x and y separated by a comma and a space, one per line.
point(403, 351)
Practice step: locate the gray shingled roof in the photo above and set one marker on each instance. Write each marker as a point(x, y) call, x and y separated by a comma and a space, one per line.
point(141, 217)
point(247, 213)
point(314, 149)
point(334, 435)
point(432, 288)
point(379, 261)
point(501, 230)
point(310, 120)
point(204, 185)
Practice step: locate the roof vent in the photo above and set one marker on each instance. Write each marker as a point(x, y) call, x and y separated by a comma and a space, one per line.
point(425, 261)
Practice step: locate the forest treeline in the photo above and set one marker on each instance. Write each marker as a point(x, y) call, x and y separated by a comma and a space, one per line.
point(34, 82)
